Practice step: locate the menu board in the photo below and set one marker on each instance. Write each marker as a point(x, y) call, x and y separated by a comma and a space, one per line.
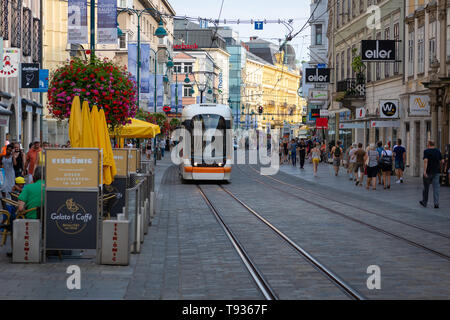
point(121, 159)
point(132, 160)
point(72, 168)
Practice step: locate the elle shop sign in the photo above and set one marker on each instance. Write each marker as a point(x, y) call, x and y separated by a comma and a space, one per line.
point(320, 75)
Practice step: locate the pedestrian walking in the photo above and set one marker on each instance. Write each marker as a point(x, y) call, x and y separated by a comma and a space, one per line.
point(432, 161)
point(336, 153)
point(294, 152)
point(19, 163)
point(315, 155)
point(285, 151)
point(148, 149)
point(302, 152)
point(385, 162)
point(379, 150)
point(400, 159)
point(359, 164)
point(352, 161)
point(7, 163)
point(371, 159)
point(32, 160)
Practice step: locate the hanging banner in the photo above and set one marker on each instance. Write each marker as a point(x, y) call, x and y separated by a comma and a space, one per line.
point(43, 81)
point(77, 32)
point(180, 96)
point(106, 21)
point(159, 92)
point(29, 74)
point(172, 97)
point(151, 94)
point(145, 70)
point(11, 61)
point(132, 60)
point(419, 105)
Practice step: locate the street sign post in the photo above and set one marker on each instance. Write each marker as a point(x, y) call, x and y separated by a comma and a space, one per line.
point(259, 25)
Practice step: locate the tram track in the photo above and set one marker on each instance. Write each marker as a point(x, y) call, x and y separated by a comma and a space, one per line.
point(328, 209)
point(257, 276)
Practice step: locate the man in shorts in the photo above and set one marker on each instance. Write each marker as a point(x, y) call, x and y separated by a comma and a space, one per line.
point(337, 156)
point(359, 164)
point(352, 161)
point(400, 159)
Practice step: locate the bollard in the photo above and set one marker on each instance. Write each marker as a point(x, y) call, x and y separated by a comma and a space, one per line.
point(115, 242)
point(147, 216)
point(152, 205)
point(26, 241)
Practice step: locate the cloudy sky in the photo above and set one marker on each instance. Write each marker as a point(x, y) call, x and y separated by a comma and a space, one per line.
point(298, 10)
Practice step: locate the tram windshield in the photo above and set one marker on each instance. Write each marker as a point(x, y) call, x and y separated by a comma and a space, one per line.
point(208, 146)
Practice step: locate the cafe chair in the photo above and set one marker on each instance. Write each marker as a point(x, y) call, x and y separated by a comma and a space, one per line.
point(5, 226)
point(108, 201)
point(14, 196)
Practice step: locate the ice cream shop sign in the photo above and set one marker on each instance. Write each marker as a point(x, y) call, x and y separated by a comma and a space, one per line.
point(185, 46)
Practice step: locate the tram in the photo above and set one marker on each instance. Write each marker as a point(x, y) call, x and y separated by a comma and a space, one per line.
point(207, 153)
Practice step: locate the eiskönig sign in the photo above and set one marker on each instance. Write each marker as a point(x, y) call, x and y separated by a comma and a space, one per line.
point(378, 50)
point(317, 75)
point(29, 73)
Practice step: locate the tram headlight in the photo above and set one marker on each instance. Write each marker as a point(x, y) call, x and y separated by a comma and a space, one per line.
point(195, 164)
point(220, 164)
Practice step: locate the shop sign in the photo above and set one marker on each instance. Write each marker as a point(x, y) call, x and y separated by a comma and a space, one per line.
point(322, 123)
point(318, 95)
point(389, 108)
point(11, 61)
point(314, 75)
point(185, 46)
point(72, 168)
point(378, 50)
point(4, 120)
point(384, 124)
point(132, 160)
point(360, 113)
point(419, 105)
point(324, 113)
point(120, 158)
point(29, 74)
point(351, 125)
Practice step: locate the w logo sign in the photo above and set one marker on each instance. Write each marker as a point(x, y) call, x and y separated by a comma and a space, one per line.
point(389, 108)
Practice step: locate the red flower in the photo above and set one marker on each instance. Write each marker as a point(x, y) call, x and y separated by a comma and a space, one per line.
point(88, 51)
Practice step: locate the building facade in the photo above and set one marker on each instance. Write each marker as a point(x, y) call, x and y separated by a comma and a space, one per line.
point(21, 109)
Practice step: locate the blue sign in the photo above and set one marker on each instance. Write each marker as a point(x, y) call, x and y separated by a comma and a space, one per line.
point(321, 65)
point(259, 25)
point(43, 81)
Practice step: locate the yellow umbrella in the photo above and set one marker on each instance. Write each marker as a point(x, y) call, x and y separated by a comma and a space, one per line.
point(137, 129)
point(87, 140)
point(109, 165)
point(95, 127)
point(75, 123)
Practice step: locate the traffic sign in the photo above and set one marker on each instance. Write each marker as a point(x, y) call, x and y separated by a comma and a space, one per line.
point(259, 25)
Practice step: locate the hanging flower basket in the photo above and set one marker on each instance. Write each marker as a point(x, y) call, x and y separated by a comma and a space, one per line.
point(99, 81)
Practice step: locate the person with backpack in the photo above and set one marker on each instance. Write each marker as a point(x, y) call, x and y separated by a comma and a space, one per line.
point(386, 160)
point(379, 150)
point(336, 152)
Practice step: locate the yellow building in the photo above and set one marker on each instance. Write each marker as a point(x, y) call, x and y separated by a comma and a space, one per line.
point(282, 105)
point(57, 50)
point(252, 83)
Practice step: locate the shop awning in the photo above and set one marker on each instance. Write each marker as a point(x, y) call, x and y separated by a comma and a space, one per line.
point(338, 110)
point(137, 129)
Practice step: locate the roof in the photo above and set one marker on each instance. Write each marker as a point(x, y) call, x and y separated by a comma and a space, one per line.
point(254, 57)
point(182, 55)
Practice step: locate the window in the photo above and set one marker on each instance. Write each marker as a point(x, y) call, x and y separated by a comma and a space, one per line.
point(378, 64)
point(361, 6)
point(26, 32)
point(349, 70)
point(349, 7)
point(421, 49)
point(188, 67)
point(353, 57)
point(353, 8)
point(177, 67)
point(397, 47)
point(123, 41)
point(387, 65)
point(337, 67)
point(448, 33)
point(342, 65)
point(411, 53)
point(16, 22)
point(337, 12)
point(187, 90)
point(369, 67)
point(318, 34)
point(432, 41)
point(4, 20)
point(37, 41)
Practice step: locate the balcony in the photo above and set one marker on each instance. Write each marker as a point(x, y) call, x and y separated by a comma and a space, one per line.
point(351, 92)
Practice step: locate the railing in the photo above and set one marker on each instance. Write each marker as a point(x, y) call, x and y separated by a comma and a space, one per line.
point(352, 87)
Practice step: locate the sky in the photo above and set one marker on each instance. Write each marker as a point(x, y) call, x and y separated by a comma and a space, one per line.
point(256, 10)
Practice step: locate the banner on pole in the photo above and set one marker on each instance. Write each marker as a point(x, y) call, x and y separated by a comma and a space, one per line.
point(77, 32)
point(132, 60)
point(159, 92)
point(151, 94)
point(11, 61)
point(145, 70)
point(106, 21)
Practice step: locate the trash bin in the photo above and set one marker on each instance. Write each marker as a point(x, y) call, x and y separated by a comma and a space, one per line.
point(115, 242)
point(158, 154)
point(26, 241)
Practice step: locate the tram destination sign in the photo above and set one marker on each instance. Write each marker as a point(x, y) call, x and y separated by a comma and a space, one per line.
point(378, 50)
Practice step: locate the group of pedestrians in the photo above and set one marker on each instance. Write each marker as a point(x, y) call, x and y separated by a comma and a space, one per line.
point(300, 149)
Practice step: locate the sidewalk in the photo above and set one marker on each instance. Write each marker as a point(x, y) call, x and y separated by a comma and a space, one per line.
point(406, 194)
